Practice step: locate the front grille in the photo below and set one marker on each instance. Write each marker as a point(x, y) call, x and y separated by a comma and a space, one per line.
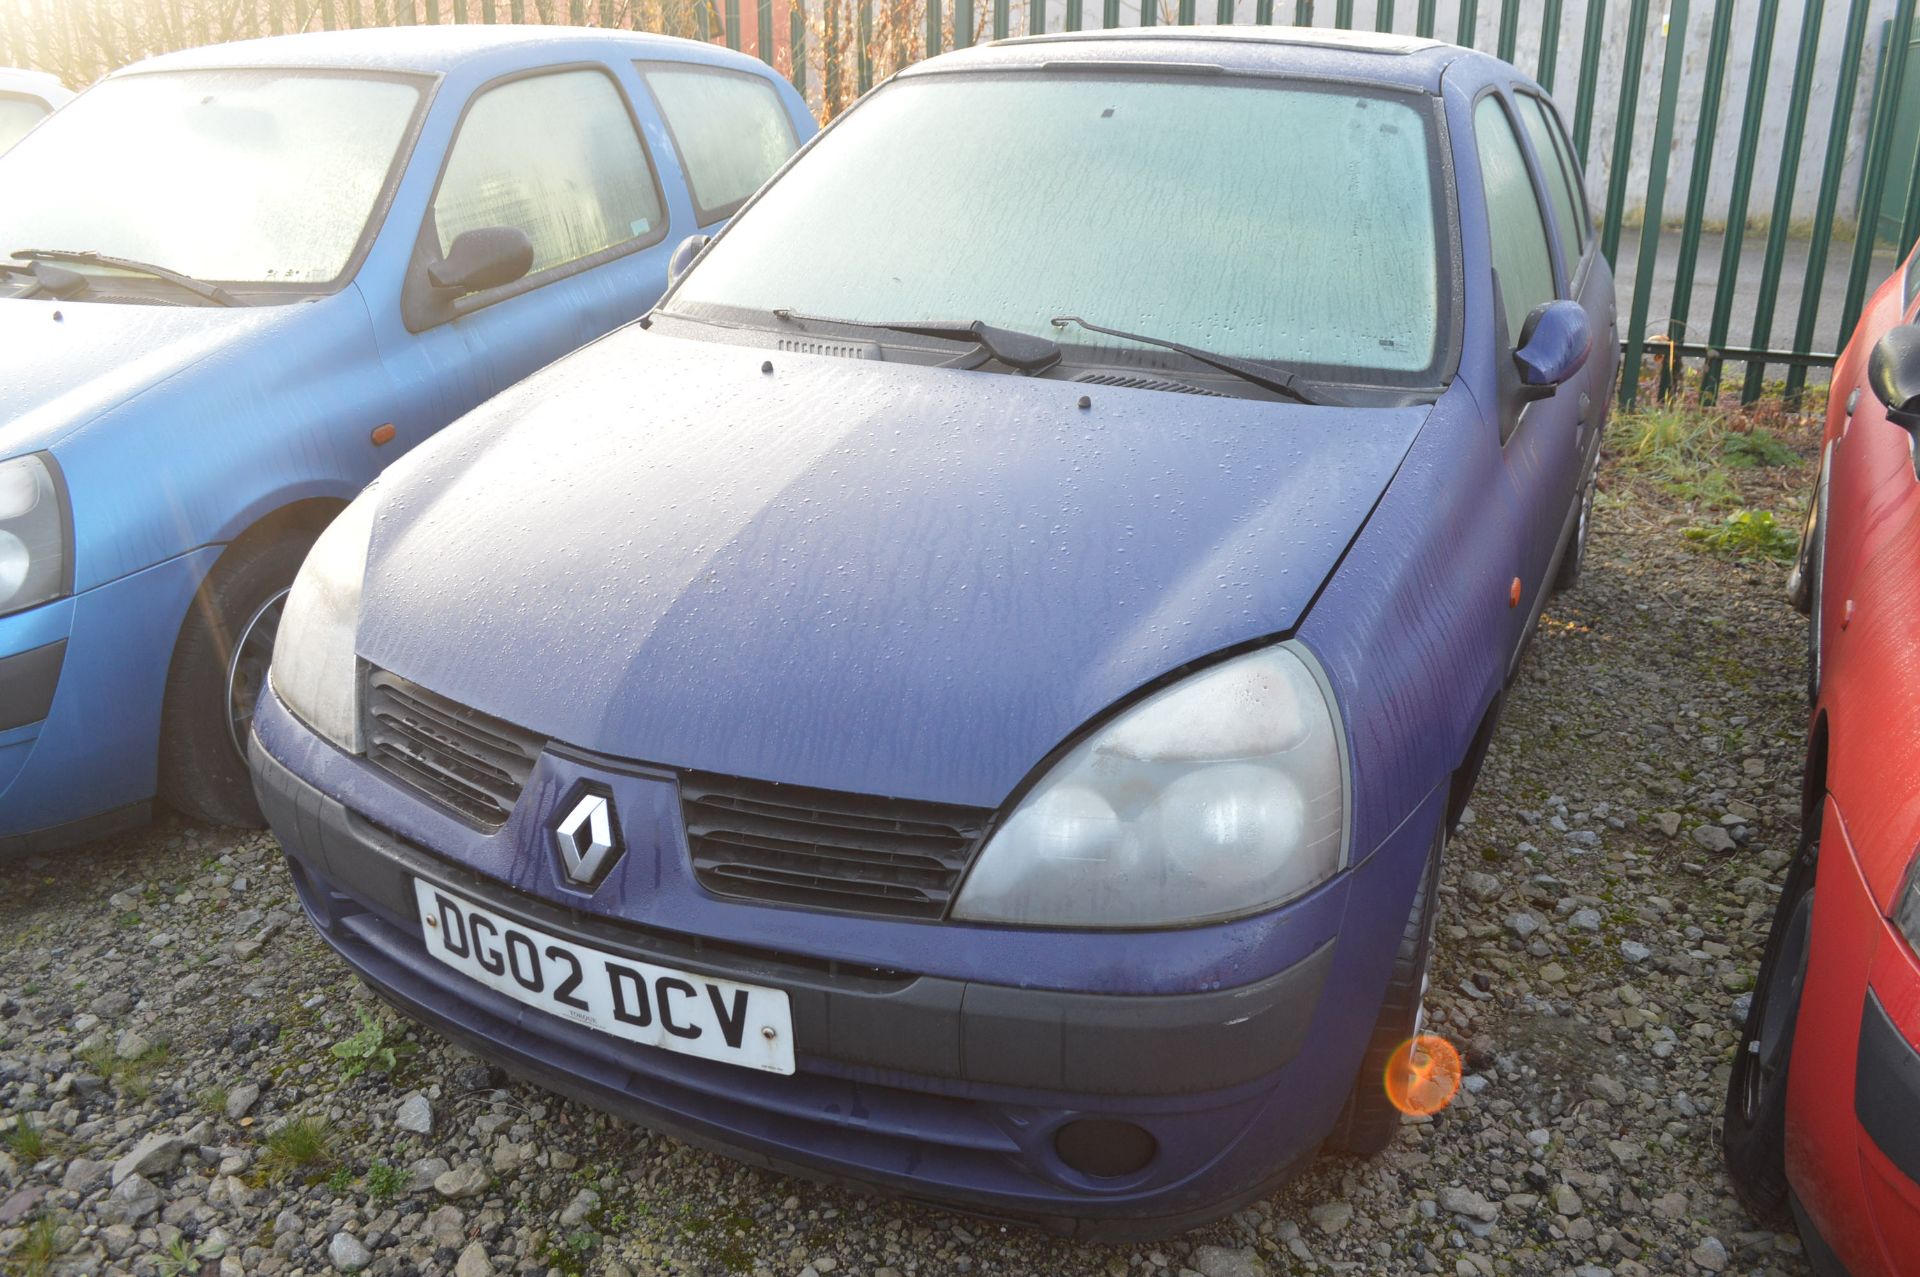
point(759, 840)
point(464, 760)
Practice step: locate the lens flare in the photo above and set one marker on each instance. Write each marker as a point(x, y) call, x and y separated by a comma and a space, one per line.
point(1423, 1075)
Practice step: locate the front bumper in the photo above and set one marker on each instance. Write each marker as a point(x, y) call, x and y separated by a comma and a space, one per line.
point(926, 1084)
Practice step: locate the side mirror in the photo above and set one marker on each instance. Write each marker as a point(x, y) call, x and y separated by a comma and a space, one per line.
point(682, 259)
point(485, 257)
point(1554, 343)
point(1893, 370)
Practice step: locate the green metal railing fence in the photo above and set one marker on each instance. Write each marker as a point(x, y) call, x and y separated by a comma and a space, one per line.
point(847, 45)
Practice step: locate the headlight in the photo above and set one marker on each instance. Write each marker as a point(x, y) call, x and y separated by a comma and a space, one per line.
point(33, 534)
point(1906, 907)
point(1222, 795)
point(313, 662)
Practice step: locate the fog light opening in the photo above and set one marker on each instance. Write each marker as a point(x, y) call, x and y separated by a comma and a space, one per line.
point(1104, 1148)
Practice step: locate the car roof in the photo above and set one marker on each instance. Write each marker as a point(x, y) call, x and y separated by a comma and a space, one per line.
point(1381, 58)
point(437, 50)
point(37, 83)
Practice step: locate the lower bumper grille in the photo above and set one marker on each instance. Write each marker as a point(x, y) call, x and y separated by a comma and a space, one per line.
point(759, 840)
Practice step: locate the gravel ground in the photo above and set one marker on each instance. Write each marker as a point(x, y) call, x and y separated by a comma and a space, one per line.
point(169, 1102)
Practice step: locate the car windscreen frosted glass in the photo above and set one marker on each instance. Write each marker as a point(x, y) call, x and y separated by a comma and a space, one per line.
point(1262, 219)
point(729, 128)
point(17, 115)
point(235, 176)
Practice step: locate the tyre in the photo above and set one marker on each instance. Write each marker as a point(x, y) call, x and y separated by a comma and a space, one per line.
point(1754, 1127)
point(1576, 555)
point(219, 668)
point(1369, 1121)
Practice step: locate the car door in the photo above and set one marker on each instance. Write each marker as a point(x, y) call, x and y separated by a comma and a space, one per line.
point(557, 154)
point(1539, 439)
point(1590, 279)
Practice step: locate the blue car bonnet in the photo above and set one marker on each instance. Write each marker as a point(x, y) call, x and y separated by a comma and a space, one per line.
point(873, 577)
point(61, 365)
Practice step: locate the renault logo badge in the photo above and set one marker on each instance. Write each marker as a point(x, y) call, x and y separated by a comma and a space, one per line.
point(586, 839)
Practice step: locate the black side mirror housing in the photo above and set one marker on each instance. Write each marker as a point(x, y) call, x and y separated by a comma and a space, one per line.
point(1554, 344)
point(683, 257)
point(482, 258)
point(1893, 370)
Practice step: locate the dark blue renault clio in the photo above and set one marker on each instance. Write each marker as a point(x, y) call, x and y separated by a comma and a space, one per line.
point(969, 696)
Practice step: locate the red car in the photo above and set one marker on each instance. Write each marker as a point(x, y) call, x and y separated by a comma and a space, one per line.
point(1823, 1106)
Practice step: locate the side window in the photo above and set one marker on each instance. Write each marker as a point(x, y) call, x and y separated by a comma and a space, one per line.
point(18, 113)
point(1533, 113)
point(574, 189)
point(730, 128)
point(1514, 218)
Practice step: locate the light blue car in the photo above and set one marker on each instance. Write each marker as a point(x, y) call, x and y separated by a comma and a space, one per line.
point(237, 282)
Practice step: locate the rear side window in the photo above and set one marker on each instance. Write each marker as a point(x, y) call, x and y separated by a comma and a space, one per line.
point(557, 156)
point(18, 114)
point(1514, 217)
point(730, 128)
point(1553, 168)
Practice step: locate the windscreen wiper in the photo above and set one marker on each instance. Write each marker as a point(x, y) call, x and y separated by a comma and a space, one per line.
point(1025, 351)
point(49, 279)
point(212, 292)
point(1275, 379)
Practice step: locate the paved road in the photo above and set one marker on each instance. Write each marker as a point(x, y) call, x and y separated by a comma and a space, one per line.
point(1793, 276)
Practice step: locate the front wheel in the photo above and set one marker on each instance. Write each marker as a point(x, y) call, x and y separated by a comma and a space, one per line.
point(1576, 556)
point(1370, 1120)
point(219, 670)
point(1754, 1129)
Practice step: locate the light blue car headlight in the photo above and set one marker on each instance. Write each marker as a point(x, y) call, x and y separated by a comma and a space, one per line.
point(1222, 795)
point(33, 534)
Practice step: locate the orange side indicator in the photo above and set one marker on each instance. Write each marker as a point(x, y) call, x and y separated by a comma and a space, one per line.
point(383, 434)
point(1423, 1075)
point(1513, 593)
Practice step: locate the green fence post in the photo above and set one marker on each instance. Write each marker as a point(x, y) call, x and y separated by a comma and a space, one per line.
point(962, 24)
point(1887, 94)
point(433, 14)
point(1302, 13)
point(1703, 141)
point(1423, 19)
point(733, 24)
point(797, 46)
point(1670, 69)
point(1623, 131)
point(576, 12)
point(1184, 13)
point(1223, 13)
point(1000, 19)
point(1469, 22)
point(1549, 45)
point(1343, 14)
point(933, 26)
point(1076, 14)
point(1110, 14)
point(1509, 29)
point(763, 29)
point(1831, 175)
point(487, 14)
point(864, 62)
point(1755, 107)
point(1589, 77)
point(1910, 225)
point(1037, 16)
point(830, 72)
point(1803, 71)
point(1383, 15)
point(702, 18)
point(326, 15)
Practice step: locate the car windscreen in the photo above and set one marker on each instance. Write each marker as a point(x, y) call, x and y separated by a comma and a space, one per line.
point(237, 176)
point(18, 113)
point(1268, 220)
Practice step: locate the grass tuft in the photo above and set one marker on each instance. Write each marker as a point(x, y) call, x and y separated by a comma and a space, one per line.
point(305, 1143)
point(1749, 534)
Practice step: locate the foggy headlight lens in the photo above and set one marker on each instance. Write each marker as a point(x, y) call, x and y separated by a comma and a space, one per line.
point(1221, 795)
point(313, 660)
point(33, 534)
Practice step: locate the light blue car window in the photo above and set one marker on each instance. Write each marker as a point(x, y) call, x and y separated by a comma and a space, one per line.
point(556, 156)
point(1559, 184)
point(17, 115)
point(1514, 218)
point(1256, 218)
point(729, 128)
point(260, 177)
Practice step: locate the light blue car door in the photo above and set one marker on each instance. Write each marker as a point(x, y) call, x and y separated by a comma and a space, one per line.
point(558, 154)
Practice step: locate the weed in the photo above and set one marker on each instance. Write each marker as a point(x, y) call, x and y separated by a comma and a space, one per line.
point(303, 1142)
point(133, 1076)
point(385, 1181)
point(178, 1259)
point(1758, 448)
point(214, 1101)
point(369, 1048)
point(1749, 534)
point(37, 1250)
point(28, 1140)
point(340, 1182)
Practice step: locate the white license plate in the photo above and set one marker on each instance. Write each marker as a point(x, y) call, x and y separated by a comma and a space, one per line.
point(741, 1024)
